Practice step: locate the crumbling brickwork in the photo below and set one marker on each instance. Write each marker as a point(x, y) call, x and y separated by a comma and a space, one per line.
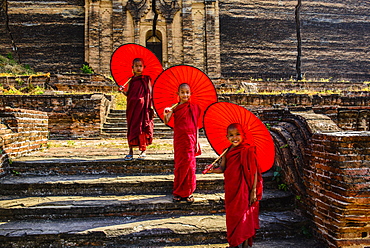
point(337, 181)
point(70, 116)
point(22, 131)
point(328, 169)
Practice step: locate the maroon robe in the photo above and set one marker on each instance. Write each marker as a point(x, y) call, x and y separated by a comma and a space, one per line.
point(186, 146)
point(241, 218)
point(139, 113)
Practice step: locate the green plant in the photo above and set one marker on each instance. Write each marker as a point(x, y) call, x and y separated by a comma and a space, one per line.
point(284, 146)
point(306, 231)
point(9, 56)
point(86, 69)
point(19, 81)
point(277, 174)
point(15, 173)
point(70, 143)
point(283, 187)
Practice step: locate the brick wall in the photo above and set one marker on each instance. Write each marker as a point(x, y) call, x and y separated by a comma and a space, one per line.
point(70, 116)
point(348, 118)
point(258, 39)
point(337, 180)
point(291, 100)
point(329, 169)
point(22, 131)
point(62, 82)
point(49, 34)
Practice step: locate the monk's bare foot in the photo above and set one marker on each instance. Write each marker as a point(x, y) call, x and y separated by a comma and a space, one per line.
point(176, 198)
point(245, 244)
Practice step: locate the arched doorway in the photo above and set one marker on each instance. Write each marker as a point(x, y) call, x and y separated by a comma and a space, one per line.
point(154, 43)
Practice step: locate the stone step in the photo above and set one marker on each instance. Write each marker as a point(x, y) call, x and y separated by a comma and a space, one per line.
point(72, 206)
point(140, 231)
point(103, 184)
point(153, 164)
point(124, 126)
point(100, 185)
point(113, 119)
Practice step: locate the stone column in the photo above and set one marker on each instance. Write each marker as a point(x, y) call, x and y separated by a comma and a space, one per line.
point(106, 43)
point(92, 42)
point(119, 19)
point(187, 30)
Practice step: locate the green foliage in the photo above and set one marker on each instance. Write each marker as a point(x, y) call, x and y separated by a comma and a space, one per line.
point(28, 90)
point(277, 174)
point(15, 173)
point(86, 69)
point(306, 231)
point(9, 56)
point(283, 187)
point(70, 143)
point(9, 67)
point(284, 146)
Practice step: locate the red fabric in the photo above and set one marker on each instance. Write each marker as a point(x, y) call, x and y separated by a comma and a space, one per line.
point(241, 218)
point(186, 147)
point(139, 113)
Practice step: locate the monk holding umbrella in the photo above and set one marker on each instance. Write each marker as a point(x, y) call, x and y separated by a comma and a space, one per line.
point(247, 150)
point(134, 69)
point(180, 95)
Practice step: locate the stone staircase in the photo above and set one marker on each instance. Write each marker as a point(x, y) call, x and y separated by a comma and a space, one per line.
point(115, 126)
point(115, 203)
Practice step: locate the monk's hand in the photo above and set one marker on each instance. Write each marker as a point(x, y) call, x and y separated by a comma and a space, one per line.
point(253, 196)
point(167, 110)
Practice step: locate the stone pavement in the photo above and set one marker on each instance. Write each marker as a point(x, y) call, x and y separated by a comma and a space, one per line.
point(110, 148)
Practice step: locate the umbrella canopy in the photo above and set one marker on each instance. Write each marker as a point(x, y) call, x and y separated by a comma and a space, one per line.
point(121, 62)
point(166, 86)
point(220, 115)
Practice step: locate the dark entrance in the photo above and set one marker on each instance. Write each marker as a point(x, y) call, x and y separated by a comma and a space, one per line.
point(154, 43)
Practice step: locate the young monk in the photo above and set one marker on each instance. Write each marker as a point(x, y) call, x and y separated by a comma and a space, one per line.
point(185, 142)
point(139, 112)
point(243, 188)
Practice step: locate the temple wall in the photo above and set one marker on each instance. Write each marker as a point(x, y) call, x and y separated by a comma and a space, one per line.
point(258, 39)
point(70, 116)
point(49, 35)
point(21, 131)
point(253, 39)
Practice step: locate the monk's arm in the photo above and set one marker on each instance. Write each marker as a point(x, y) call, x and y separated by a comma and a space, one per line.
point(253, 193)
point(221, 167)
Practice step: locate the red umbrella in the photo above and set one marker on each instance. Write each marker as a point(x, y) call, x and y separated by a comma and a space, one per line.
point(166, 86)
point(121, 63)
point(220, 115)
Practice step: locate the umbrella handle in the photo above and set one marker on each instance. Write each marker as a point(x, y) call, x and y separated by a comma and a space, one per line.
point(122, 87)
point(174, 106)
point(209, 167)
